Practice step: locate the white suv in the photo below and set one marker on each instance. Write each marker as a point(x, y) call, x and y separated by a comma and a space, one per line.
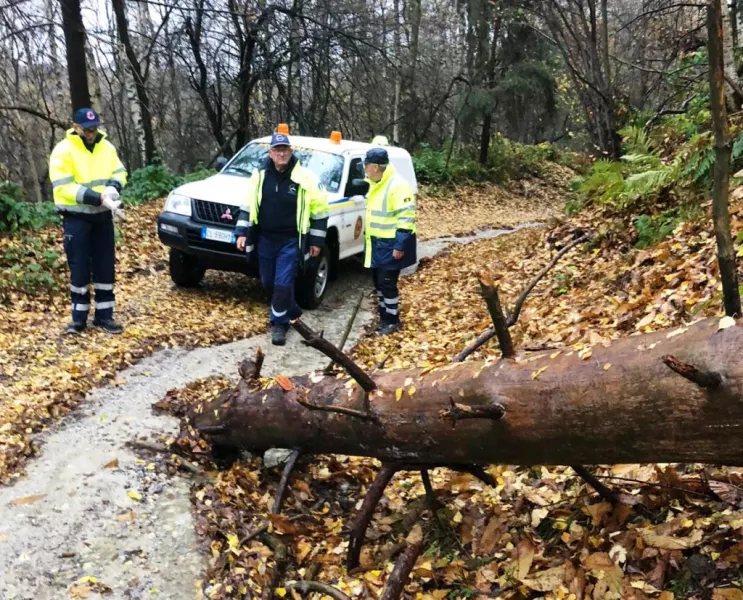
point(198, 219)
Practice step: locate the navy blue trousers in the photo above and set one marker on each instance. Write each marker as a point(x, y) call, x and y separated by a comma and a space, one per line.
point(89, 246)
point(385, 283)
point(278, 263)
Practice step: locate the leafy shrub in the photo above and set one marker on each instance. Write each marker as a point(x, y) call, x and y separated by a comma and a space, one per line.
point(654, 229)
point(149, 183)
point(201, 172)
point(30, 265)
point(17, 213)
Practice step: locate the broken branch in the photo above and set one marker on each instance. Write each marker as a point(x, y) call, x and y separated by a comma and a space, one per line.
point(361, 522)
point(319, 343)
point(490, 293)
point(704, 379)
point(603, 491)
point(403, 565)
point(305, 587)
point(342, 410)
point(347, 332)
point(251, 369)
point(459, 412)
point(283, 484)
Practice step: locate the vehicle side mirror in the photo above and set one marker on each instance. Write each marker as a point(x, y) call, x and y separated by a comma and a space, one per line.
point(220, 162)
point(357, 187)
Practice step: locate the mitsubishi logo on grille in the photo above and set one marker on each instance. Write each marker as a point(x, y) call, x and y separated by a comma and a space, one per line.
point(227, 216)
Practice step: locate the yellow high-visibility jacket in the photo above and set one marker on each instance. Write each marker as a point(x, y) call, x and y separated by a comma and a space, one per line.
point(312, 208)
point(390, 222)
point(79, 175)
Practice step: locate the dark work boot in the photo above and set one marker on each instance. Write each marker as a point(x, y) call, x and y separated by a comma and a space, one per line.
point(75, 327)
point(108, 325)
point(278, 335)
point(388, 328)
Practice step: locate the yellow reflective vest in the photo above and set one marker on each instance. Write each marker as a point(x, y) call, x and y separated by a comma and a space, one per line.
point(73, 170)
point(390, 215)
point(312, 207)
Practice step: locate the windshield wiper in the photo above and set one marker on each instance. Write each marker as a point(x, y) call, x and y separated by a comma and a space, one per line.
point(237, 169)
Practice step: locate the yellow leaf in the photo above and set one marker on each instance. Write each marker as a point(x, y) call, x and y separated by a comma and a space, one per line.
point(27, 499)
point(411, 390)
point(398, 394)
point(458, 517)
point(111, 464)
point(607, 366)
point(125, 517)
point(556, 354)
point(535, 374)
point(281, 592)
point(134, 495)
point(233, 540)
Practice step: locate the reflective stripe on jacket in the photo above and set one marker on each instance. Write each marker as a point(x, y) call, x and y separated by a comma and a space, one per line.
point(312, 208)
point(390, 216)
point(75, 170)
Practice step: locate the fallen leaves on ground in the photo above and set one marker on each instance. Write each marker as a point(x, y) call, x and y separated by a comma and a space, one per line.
point(539, 530)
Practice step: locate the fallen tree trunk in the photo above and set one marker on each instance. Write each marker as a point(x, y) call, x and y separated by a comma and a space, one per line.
point(670, 396)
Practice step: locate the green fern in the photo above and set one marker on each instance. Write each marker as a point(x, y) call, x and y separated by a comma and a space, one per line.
point(636, 140)
point(699, 166)
point(738, 146)
point(649, 182)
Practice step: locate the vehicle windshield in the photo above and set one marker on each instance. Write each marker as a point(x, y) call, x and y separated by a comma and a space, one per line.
point(328, 167)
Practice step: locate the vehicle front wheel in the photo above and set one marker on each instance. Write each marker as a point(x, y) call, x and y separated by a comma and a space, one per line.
point(185, 269)
point(313, 283)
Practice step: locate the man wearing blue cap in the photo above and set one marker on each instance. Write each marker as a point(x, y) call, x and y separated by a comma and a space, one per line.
point(389, 232)
point(87, 177)
point(285, 215)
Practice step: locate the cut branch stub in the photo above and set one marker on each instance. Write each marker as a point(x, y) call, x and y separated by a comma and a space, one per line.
point(704, 379)
point(458, 411)
point(312, 339)
point(251, 369)
point(490, 294)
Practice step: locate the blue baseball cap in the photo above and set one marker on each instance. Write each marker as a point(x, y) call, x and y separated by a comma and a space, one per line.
point(279, 139)
point(376, 156)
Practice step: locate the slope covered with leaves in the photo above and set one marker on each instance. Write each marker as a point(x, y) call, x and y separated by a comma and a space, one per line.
point(44, 374)
point(540, 532)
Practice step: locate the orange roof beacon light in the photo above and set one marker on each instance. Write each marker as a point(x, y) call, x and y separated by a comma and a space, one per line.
point(335, 137)
point(283, 128)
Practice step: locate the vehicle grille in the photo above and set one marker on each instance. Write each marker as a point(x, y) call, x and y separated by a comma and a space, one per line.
point(211, 212)
point(196, 241)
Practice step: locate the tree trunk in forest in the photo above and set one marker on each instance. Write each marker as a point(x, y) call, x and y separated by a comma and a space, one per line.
point(398, 74)
point(662, 397)
point(142, 99)
point(721, 214)
point(732, 83)
point(74, 36)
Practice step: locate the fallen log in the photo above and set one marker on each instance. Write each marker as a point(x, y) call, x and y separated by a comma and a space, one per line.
point(669, 396)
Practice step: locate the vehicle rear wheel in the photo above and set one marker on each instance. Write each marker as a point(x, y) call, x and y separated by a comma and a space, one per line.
point(185, 269)
point(313, 284)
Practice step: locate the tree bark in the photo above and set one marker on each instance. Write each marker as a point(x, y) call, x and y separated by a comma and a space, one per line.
point(721, 214)
point(74, 36)
point(143, 101)
point(622, 404)
point(728, 53)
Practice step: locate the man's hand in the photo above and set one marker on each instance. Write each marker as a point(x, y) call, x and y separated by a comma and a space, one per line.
point(241, 243)
point(314, 251)
point(111, 192)
point(110, 204)
point(398, 254)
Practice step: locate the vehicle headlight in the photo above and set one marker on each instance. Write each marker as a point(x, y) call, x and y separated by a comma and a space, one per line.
point(179, 204)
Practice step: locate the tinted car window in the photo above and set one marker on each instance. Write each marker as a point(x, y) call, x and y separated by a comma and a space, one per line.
point(328, 167)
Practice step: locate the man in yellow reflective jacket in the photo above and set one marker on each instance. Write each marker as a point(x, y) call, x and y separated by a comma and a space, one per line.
point(284, 217)
point(87, 177)
point(390, 233)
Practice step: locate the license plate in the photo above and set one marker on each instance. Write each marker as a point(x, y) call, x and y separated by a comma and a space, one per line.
point(218, 235)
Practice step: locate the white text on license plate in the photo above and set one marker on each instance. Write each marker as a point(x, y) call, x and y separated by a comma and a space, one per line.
point(218, 235)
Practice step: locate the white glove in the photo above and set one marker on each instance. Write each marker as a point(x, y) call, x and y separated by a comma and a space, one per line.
point(110, 204)
point(119, 214)
point(111, 192)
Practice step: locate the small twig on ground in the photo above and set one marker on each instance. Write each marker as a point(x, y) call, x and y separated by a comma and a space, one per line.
point(431, 500)
point(361, 522)
point(604, 492)
point(347, 332)
point(312, 339)
point(704, 379)
point(305, 587)
point(284, 483)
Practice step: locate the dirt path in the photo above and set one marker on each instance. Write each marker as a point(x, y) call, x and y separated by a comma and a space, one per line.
point(127, 526)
